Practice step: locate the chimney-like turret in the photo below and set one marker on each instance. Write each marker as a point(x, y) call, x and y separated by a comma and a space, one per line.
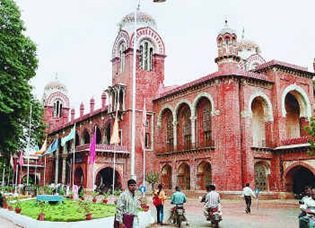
point(81, 109)
point(92, 104)
point(72, 114)
point(103, 99)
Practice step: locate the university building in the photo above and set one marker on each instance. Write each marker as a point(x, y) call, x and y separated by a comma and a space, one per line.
point(243, 123)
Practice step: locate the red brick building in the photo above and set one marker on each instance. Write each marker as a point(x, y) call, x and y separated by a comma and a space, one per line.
point(243, 123)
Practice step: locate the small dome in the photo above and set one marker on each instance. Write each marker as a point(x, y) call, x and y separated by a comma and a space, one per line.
point(55, 85)
point(247, 45)
point(227, 29)
point(143, 20)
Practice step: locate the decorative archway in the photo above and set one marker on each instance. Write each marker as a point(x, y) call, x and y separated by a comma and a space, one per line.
point(166, 178)
point(261, 176)
point(78, 176)
point(104, 180)
point(297, 177)
point(183, 176)
point(204, 175)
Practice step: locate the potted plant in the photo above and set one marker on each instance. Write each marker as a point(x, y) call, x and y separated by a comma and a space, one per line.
point(4, 202)
point(81, 194)
point(42, 206)
point(105, 200)
point(144, 203)
point(9, 199)
point(94, 195)
point(85, 206)
point(18, 206)
point(71, 194)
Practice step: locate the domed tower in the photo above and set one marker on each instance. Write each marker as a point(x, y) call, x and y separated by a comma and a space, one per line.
point(249, 52)
point(149, 60)
point(56, 104)
point(228, 58)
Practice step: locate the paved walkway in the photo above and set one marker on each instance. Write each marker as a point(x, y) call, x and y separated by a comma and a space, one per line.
point(265, 214)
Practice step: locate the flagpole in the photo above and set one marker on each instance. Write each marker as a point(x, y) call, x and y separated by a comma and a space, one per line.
point(35, 171)
point(94, 160)
point(73, 157)
point(114, 168)
point(45, 171)
point(134, 72)
point(16, 177)
point(28, 145)
point(9, 176)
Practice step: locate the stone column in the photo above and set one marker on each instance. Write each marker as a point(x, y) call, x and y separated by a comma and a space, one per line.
point(193, 131)
point(57, 162)
point(64, 168)
point(175, 134)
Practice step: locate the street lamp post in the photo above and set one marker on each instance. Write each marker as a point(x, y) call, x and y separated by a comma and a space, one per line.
point(134, 72)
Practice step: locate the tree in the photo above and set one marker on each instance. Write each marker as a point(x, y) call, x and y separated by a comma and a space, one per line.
point(152, 178)
point(18, 62)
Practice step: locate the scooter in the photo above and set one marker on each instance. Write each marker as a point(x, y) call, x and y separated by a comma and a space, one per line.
point(214, 216)
point(178, 215)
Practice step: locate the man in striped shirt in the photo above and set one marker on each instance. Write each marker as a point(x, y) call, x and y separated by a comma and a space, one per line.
point(212, 201)
point(127, 206)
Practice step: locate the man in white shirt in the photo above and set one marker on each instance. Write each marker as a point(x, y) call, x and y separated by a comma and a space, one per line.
point(212, 201)
point(247, 194)
point(308, 220)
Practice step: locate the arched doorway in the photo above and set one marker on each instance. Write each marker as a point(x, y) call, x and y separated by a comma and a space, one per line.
point(167, 176)
point(78, 176)
point(261, 176)
point(297, 178)
point(104, 180)
point(183, 176)
point(204, 175)
point(31, 179)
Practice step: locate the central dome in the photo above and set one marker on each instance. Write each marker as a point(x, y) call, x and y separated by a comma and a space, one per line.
point(143, 20)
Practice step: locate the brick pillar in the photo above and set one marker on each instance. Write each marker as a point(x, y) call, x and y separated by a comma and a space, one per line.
point(64, 167)
point(193, 131)
point(72, 114)
point(175, 134)
point(57, 163)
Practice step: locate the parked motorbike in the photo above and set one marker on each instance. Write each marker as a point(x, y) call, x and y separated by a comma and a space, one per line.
point(178, 215)
point(214, 216)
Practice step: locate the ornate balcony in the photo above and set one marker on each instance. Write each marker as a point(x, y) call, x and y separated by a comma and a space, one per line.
point(293, 141)
point(103, 148)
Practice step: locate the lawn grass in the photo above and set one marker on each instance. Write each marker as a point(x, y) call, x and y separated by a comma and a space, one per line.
point(68, 211)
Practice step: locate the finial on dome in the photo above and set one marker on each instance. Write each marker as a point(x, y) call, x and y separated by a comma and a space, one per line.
point(243, 33)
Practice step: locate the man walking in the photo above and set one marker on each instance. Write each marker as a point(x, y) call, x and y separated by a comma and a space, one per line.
point(127, 206)
point(247, 194)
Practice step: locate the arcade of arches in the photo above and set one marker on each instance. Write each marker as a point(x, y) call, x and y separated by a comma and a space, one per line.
point(103, 179)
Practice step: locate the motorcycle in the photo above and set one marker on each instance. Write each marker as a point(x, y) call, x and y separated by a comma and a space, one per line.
point(178, 215)
point(214, 216)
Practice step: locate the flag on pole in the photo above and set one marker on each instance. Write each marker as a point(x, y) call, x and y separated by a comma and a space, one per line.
point(143, 125)
point(43, 148)
point(114, 139)
point(52, 147)
point(68, 137)
point(92, 148)
point(11, 161)
point(21, 161)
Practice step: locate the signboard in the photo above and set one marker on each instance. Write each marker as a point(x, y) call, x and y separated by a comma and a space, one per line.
point(142, 189)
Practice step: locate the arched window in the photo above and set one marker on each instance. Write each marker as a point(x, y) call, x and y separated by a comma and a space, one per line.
point(146, 55)
point(57, 108)
point(122, 49)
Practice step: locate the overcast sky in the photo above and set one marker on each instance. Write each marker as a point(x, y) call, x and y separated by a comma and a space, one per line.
point(74, 38)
